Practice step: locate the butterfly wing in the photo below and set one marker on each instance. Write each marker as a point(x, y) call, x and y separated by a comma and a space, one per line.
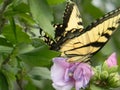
point(72, 23)
point(80, 44)
point(82, 47)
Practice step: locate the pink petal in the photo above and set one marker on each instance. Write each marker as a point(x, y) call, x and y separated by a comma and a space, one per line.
point(67, 75)
point(68, 86)
point(82, 75)
point(112, 61)
point(61, 61)
point(78, 85)
point(59, 74)
point(58, 70)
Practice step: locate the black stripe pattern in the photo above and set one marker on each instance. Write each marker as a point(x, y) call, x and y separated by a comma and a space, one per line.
point(79, 44)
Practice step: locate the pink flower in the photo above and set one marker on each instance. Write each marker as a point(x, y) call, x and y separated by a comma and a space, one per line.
point(67, 75)
point(112, 61)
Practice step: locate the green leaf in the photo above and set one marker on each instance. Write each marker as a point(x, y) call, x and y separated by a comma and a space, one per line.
point(1, 60)
point(94, 87)
point(51, 2)
point(37, 42)
point(4, 42)
point(40, 56)
point(15, 37)
point(24, 48)
point(5, 49)
point(20, 8)
point(1, 1)
point(30, 86)
point(91, 9)
point(3, 82)
point(39, 73)
point(43, 84)
point(42, 14)
point(10, 77)
point(27, 19)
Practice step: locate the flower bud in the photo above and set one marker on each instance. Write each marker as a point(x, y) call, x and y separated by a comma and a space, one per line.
point(104, 75)
point(114, 80)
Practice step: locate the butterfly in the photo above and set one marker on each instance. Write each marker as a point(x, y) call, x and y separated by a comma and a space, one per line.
point(77, 43)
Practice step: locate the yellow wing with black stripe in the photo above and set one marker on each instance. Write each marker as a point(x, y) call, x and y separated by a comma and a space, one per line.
point(96, 35)
point(72, 23)
point(79, 44)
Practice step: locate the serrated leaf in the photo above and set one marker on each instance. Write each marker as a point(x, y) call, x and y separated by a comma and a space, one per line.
point(42, 15)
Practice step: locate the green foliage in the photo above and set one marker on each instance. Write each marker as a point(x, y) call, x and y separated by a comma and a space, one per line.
point(25, 59)
point(55, 1)
point(20, 51)
point(105, 76)
point(42, 15)
point(15, 35)
point(38, 57)
point(3, 82)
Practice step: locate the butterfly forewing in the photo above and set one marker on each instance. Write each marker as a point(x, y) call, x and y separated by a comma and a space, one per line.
point(96, 35)
point(72, 18)
point(72, 22)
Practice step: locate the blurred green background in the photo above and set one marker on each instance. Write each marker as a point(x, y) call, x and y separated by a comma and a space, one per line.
point(25, 60)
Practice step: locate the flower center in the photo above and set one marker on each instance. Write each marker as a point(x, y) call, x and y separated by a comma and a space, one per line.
point(70, 74)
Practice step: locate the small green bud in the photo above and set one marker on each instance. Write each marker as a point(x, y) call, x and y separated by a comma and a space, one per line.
point(113, 69)
point(104, 75)
point(97, 71)
point(114, 80)
point(105, 67)
point(117, 84)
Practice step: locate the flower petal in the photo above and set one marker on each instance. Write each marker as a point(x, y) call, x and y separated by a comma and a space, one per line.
point(82, 75)
point(112, 61)
point(67, 75)
point(58, 70)
point(61, 61)
point(68, 86)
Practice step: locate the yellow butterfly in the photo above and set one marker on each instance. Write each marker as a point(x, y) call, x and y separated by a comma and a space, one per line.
point(77, 43)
